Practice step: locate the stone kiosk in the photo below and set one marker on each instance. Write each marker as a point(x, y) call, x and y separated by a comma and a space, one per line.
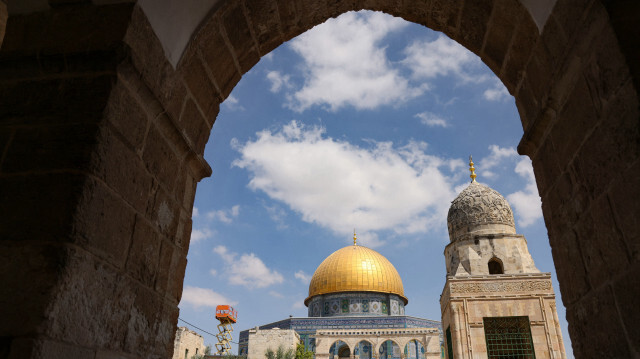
point(495, 302)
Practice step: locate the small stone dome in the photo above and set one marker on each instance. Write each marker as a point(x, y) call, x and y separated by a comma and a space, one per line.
point(479, 210)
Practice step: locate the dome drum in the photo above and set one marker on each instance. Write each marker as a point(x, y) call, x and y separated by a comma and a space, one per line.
point(355, 304)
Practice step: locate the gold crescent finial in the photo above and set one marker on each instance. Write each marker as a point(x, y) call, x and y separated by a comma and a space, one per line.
point(354, 237)
point(472, 170)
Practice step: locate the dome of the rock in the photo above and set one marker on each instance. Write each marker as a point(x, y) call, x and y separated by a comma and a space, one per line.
point(355, 269)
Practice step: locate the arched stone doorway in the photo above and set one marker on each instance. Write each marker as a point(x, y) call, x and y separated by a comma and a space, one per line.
point(101, 141)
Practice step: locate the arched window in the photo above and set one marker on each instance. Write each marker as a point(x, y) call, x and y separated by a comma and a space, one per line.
point(495, 266)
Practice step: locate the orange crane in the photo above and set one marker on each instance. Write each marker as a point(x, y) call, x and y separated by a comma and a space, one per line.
point(227, 317)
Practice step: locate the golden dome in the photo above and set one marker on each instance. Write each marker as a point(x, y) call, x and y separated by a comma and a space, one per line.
point(356, 269)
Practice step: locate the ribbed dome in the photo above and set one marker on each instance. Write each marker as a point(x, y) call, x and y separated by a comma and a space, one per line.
point(479, 210)
point(356, 269)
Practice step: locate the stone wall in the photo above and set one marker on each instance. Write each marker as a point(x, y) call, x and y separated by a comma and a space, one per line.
point(260, 340)
point(187, 344)
point(101, 143)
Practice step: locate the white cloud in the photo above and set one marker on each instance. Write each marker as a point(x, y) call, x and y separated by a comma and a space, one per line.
point(278, 215)
point(201, 234)
point(224, 216)
point(232, 103)
point(195, 212)
point(247, 270)
point(344, 64)
point(341, 186)
point(442, 57)
point(496, 158)
point(431, 119)
point(203, 297)
point(213, 272)
point(497, 92)
point(278, 81)
point(273, 293)
point(526, 203)
point(304, 277)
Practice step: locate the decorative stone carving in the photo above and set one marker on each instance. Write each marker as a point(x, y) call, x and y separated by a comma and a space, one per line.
point(478, 205)
point(512, 286)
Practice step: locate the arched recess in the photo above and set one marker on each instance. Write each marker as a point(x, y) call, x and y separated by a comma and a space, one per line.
point(363, 350)
point(389, 349)
point(414, 349)
point(495, 266)
point(339, 349)
point(102, 211)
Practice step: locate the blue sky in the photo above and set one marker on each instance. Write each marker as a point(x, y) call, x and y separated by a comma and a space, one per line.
point(364, 122)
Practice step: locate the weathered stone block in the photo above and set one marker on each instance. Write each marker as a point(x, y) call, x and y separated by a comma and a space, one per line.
point(194, 126)
point(90, 285)
point(602, 246)
point(289, 21)
point(121, 168)
point(161, 160)
point(264, 18)
point(218, 58)
point(239, 34)
point(501, 30)
point(163, 211)
point(204, 92)
point(625, 291)
point(554, 41)
point(623, 197)
point(103, 223)
point(164, 266)
point(596, 317)
point(524, 39)
point(143, 257)
point(545, 167)
point(445, 15)
point(539, 73)
point(574, 122)
point(473, 24)
point(127, 115)
point(142, 327)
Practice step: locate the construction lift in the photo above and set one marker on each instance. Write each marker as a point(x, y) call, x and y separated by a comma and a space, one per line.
point(227, 317)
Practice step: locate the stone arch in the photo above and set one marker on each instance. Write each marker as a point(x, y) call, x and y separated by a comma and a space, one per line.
point(91, 86)
point(339, 349)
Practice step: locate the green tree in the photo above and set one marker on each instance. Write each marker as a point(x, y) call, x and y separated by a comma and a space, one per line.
point(302, 352)
point(281, 353)
point(207, 350)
